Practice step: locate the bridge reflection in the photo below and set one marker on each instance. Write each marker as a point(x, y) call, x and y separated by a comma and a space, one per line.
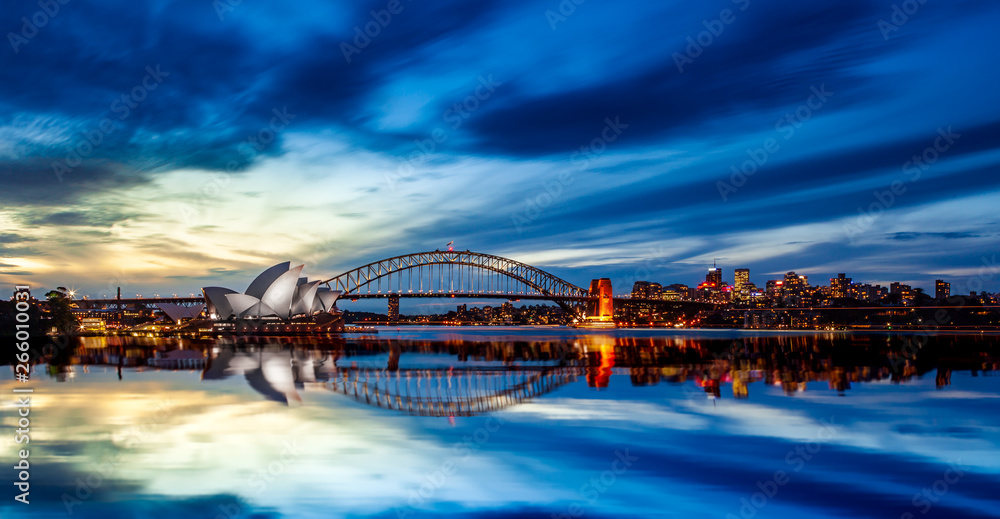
point(448, 392)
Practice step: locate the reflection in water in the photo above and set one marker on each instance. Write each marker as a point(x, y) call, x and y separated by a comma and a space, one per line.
point(460, 377)
point(347, 427)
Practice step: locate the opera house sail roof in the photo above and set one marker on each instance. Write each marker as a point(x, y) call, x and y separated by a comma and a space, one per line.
point(278, 292)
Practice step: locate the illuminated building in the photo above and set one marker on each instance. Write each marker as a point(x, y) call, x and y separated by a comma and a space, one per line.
point(682, 290)
point(741, 282)
point(774, 289)
point(840, 286)
point(866, 292)
point(714, 277)
point(794, 288)
point(277, 292)
point(942, 289)
point(394, 307)
point(92, 324)
point(647, 290)
point(507, 311)
point(671, 295)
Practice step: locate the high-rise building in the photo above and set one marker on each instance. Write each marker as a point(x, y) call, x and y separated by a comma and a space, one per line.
point(714, 277)
point(942, 289)
point(640, 290)
point(740, 279)
point(774, 288)
point(794, 288)
point(394, 307)
point(840, 286)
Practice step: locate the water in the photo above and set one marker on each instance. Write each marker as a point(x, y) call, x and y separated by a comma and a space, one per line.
point(529, 422)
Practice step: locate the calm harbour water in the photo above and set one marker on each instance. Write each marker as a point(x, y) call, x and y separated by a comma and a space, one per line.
point(528, 422)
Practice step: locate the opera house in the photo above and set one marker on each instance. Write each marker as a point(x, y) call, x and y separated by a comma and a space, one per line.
point(277, 301)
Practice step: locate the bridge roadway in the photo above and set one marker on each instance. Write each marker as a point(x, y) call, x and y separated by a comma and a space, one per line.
point(150, 302)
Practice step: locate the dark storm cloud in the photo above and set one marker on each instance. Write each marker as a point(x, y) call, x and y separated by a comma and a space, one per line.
point(32, 181)
point(682, 203)
point(78, 218)
point(747, 69)
point(907, 236)
point(216, 84)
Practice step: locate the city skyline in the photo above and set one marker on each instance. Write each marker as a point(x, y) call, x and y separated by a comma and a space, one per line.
point(929, 287)
point(601, 142)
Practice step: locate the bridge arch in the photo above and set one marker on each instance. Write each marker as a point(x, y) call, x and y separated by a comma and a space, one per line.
point(457, 273)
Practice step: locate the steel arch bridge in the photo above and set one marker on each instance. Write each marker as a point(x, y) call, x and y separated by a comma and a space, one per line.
point(456, 273)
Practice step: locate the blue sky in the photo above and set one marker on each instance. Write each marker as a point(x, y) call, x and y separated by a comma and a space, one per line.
point(169, 145)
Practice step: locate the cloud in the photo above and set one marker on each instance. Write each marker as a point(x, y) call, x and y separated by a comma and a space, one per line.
point(908, 236)
point(221, 81)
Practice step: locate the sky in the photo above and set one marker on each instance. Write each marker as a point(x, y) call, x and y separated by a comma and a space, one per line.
point(166, 146)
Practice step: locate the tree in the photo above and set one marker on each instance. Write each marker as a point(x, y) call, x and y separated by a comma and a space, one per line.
point(60, 311)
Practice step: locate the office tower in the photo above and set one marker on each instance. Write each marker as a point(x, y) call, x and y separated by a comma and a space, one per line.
point(714, 277)
point(741, 278)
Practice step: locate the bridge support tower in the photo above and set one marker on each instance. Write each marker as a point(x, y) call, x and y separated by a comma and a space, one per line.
point(601, 308)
